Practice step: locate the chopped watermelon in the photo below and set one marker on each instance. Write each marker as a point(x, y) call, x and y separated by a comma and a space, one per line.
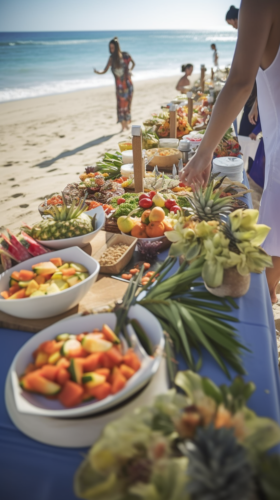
point(118, 380)
point(17, 247)
point(56, 261)
point(33, 247)
point(100, 391)
point(62, 376)
point(127, 371)
point(71, 394)
point(50, 372)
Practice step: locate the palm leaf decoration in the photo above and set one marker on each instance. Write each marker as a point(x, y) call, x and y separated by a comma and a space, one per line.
point(193, 319)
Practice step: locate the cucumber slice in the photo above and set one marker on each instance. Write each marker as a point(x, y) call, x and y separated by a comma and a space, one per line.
point(57, 276)
point(65, 266)
point(82, 276)
point(62, 285)
point(62, 336)
point(78, 267)
point(24, 284)
point(92, 379)
point(76, 370)
point(71, 347)
point(93, 343)
point(53, 359)
point(13, 282)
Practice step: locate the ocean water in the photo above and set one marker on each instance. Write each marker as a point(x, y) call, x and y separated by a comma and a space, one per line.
point(38, 64)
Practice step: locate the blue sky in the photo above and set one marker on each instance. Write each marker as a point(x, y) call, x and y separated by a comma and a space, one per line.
point(64, 15)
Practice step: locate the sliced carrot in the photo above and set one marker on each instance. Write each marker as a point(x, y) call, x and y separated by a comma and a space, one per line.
point(15, 275)
point(40, 279)
point(92, 362)
point(63, 363)
point(20, 294)
point(134, 271)
point(13, 289)
point(50, 372)
point(103, 371)
point(71, 394)
point(62, 376)
point(132, 360)
point(126, 276)
point(51, 346)
point(56, 261)
point(26, 275)
point(118, 381)
point(100, 391)
point(68, 272)
point(127, 371)
point(115, 356)
point(5, 294)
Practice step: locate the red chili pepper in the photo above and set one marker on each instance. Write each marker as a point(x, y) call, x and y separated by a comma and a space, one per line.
point(145, 203)
point(120, 201)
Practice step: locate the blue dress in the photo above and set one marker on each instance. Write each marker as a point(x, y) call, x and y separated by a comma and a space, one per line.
point(256, 171)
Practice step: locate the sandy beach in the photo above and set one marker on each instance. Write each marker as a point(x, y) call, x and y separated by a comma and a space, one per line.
point(47, 141)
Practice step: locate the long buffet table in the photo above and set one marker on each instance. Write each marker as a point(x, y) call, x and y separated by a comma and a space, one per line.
point(38, 471)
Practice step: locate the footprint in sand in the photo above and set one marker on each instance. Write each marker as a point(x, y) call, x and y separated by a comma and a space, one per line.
point(15, 185)
point(12, 179)
point(52, 170)
point(17, 195)
point(24, 205)
point(8, 164)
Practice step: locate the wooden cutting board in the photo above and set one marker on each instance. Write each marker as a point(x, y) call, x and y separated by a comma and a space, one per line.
point(102, 292)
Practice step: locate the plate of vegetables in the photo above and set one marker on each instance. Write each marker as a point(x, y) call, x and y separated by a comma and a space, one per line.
point(79, 366)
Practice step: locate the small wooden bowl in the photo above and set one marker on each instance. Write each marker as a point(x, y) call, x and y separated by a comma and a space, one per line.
point(126, 257)
point(165, 161)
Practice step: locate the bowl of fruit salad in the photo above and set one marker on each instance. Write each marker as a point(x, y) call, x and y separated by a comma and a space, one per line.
point(47, 285)
point(79, 366)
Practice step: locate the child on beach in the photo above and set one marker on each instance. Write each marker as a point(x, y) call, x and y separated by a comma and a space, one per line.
point(215, 55)
point(184, 81)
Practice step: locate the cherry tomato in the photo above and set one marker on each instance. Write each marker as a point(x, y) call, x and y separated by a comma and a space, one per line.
point(120, 201)
point(144, 195)
point(175, 209)
point(145, 203)
point(151, 194)
point(181, 184)
point(169, 204)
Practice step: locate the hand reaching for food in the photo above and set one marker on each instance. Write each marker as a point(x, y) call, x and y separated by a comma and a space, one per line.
point(197, 171)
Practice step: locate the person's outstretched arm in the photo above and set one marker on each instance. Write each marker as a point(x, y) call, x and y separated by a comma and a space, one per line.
point(180, 83)
point(108, 65)
point(255, 21)
point(132, 62)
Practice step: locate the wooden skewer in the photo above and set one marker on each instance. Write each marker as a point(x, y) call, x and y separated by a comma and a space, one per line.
point(138, 164)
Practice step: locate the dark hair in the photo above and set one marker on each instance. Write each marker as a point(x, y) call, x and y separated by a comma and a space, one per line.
point(213, 45)
point(232, 13)
point(117, 54)
point(186, 66)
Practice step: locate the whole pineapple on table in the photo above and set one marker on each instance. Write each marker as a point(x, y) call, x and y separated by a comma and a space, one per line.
point(64, 222)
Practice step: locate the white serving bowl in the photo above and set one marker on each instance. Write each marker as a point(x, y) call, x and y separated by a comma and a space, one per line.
point(39, 405)
point(79, 241)
point(127, 156)
point(57, 303)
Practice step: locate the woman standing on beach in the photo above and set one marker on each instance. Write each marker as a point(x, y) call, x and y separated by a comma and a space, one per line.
point(119, 63)
point(184, 81)
point(257, 56)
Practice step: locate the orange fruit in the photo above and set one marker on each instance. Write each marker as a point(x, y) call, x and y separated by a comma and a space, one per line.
point(167, 225)
point(139, 230)
point(156, 215)
point(145, 216)
point(155, 229)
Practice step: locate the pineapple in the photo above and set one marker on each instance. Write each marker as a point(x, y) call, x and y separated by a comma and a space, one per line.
point(65, 222)
point(207, 204)
point(218, 466)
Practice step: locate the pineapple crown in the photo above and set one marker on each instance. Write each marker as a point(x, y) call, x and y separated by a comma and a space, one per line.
point(206, 202)
point(218, 466)
point(63, 213)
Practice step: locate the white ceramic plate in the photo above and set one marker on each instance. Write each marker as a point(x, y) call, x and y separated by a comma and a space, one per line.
point(57, 303)
point(39, 405)
point(79, 241)
point(80, 432)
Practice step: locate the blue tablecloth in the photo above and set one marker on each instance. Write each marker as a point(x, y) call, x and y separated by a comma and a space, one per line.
point(41, 472)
